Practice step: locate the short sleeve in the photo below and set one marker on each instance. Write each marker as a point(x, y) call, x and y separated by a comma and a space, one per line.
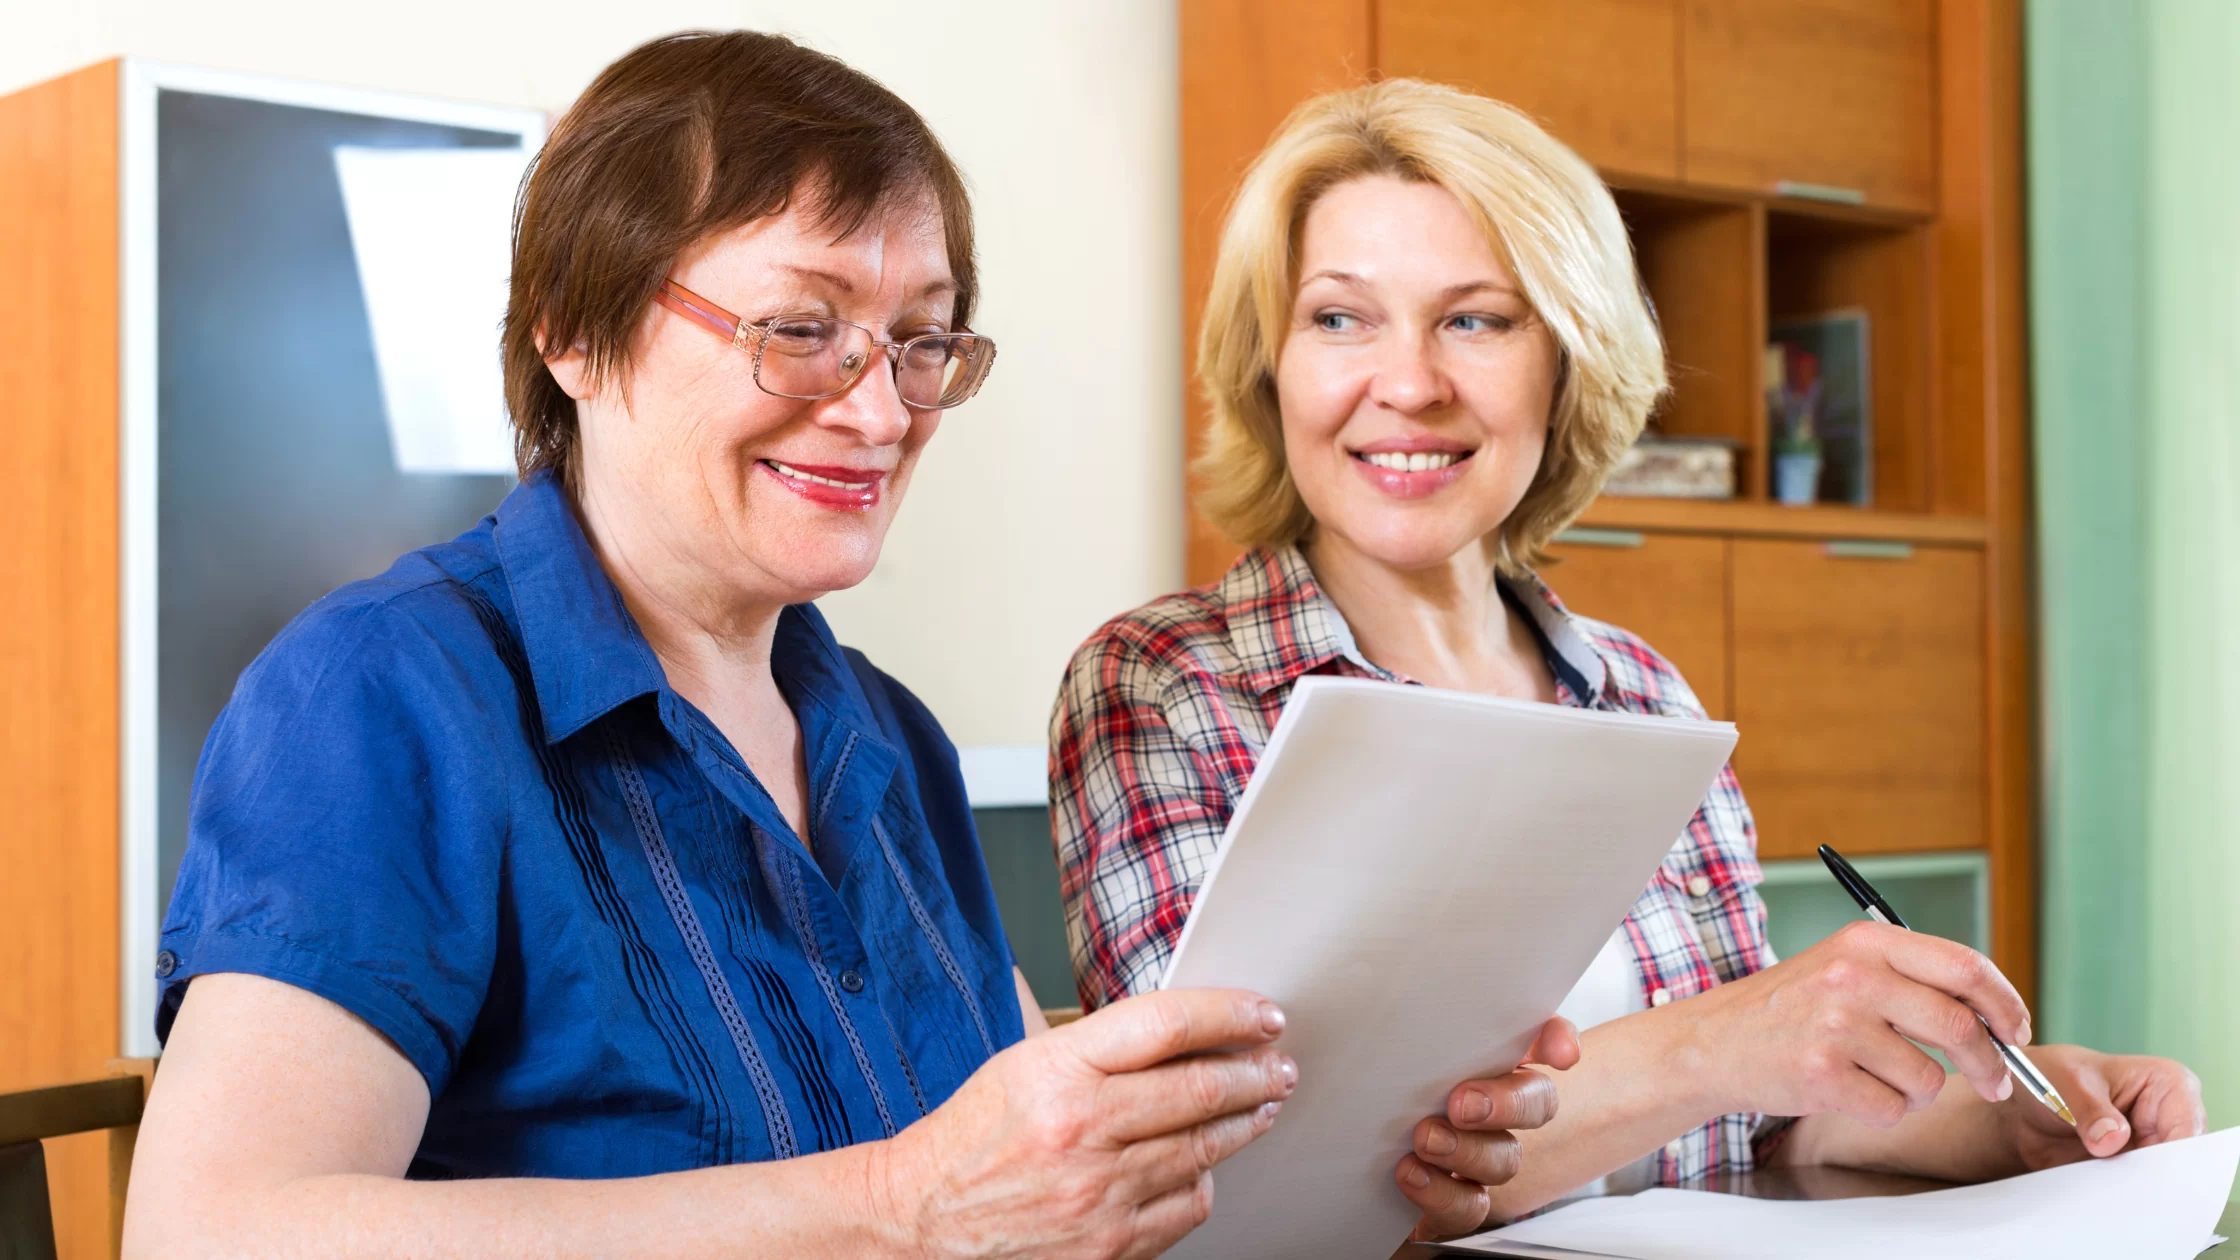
point(348, 822)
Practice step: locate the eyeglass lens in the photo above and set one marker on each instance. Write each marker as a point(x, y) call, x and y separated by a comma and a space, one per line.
point(806, 357)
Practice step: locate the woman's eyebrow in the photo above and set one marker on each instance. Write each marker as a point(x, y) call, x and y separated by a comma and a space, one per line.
point(1468, 287)
point(843, 284)
point(831, 278)
point(1448, 294)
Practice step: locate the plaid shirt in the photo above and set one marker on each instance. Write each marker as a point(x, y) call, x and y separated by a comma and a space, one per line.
point(1162, 718)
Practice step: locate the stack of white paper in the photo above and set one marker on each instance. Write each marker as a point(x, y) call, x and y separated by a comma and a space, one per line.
point(1417, 877)
point(2159, 1203)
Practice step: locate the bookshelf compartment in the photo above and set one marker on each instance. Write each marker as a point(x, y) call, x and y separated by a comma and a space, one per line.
point(1820, 264)
point(1703, 265)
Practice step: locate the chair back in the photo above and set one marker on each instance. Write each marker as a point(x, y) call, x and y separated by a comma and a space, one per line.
point(30, 1116)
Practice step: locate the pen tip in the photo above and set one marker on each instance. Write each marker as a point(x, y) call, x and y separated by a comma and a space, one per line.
point(2061, 1109)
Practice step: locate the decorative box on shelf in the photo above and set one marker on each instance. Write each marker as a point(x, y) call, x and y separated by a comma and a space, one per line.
point(1676, 468)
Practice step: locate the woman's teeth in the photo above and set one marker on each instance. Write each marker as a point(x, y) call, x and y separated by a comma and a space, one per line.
point(788, 470)
point(1413, 461)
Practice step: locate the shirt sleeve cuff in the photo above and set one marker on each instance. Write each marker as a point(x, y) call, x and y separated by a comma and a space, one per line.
point(1771, 1132)
point(351, 988)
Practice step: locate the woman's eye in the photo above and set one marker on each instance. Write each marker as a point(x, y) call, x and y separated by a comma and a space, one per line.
point(1335, 321)
point(1481, 323)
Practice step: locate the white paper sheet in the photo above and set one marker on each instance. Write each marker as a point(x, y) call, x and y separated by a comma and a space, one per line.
point(1417, 877)
point(432, 231)
point(2159, 1203)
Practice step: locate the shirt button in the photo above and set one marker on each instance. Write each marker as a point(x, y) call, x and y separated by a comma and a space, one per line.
point(1698, 885)
point(1660, 997)
point(166, 963)
point(852, 980)
point(1676, 1148)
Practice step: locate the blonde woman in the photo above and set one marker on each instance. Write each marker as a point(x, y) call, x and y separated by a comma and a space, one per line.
point(1425, 346)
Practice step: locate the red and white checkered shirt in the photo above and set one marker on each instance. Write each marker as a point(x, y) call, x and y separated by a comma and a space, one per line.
point(1162, 718)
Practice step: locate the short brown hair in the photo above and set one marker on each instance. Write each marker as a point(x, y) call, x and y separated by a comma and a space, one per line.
point(1547, 215)
point(684, 137)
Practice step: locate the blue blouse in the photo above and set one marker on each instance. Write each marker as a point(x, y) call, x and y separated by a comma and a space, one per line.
point(462, 801)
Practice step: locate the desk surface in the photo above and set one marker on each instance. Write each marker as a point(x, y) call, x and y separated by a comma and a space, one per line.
point(1850, 1183)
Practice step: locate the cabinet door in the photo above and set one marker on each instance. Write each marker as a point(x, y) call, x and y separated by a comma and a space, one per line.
point(1669, 589)
point(1859, 688)
point(1839, 93)
point(1598, 73)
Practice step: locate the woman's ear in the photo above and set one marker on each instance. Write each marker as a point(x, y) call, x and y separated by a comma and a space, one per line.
point(571, 368)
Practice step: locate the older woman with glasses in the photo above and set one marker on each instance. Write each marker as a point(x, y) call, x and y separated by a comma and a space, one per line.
point(567, 889)
point(1425, 347)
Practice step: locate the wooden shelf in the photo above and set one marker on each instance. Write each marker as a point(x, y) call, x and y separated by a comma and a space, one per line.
point(1772, 520)
point(1700, 194)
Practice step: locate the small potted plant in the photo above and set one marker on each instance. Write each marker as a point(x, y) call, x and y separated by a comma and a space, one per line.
point(1793, 399)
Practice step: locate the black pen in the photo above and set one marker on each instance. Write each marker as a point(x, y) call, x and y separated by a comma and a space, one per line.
point(1879, 910)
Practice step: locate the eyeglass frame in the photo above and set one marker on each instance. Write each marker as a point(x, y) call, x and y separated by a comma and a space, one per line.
point(723, 323)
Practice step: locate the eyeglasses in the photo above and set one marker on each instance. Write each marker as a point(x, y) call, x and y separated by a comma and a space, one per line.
point(812, 356)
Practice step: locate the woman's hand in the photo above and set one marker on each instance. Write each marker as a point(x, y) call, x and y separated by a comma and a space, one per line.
point(1827, 1030)
point(2121, 1102)
point(1096, 1139)
point(1456, 1157)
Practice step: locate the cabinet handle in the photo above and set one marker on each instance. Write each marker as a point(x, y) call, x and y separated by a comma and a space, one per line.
point(1819, 192)
point(1583, 536)
point(1860, 549)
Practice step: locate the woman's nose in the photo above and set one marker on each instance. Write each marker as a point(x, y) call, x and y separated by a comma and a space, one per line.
point(870, 405)
point(1410, 377)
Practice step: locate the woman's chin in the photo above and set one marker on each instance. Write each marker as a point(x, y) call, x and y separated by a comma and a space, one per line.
point(813, 573)
point(1410, 546)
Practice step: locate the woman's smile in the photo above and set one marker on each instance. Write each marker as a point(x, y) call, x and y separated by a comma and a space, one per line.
point(1412, 468)
point(831, 486)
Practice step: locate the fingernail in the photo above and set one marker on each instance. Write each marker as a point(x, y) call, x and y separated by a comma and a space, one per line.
point(1271, 1018)
point(2006, 1088)
point(2022, 1034)
point(2105, 1127)
point(1439, 1140)
point(1417, 1175)
point(1268, 1110)
point(1472, 1107)
point(1290, 1071)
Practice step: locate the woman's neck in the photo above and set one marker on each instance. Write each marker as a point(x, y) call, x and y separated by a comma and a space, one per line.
point(712, 640)
point(713, 645)
point(1445, 625)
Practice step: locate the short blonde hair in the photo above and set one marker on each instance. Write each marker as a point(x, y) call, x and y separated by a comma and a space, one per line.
point(1550, 220)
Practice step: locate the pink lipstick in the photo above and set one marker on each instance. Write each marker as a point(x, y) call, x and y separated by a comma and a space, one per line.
point(848, 489)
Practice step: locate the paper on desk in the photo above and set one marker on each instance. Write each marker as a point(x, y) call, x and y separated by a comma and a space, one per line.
point(2158, 1203)
point(1417, 877)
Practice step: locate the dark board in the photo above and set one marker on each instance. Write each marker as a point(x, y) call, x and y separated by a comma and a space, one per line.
point(275, 481)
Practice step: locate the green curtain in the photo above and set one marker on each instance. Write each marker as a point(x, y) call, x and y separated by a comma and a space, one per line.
point(2134, 183)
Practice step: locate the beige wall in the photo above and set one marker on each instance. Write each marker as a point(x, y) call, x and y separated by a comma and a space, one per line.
point(1050, 502)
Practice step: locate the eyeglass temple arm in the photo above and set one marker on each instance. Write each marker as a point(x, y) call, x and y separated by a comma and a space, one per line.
point(691, 305)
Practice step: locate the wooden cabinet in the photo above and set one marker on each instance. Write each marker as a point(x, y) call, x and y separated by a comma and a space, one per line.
point(1670, 589)
point(1858, 685)
point(1836, 93)
point(182, 457)
point(1599, 73)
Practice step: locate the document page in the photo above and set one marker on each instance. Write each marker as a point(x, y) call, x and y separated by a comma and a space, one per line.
point(1417, 877)
point(2157, 1203)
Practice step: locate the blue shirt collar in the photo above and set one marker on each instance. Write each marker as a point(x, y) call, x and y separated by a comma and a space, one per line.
point(585, 652)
